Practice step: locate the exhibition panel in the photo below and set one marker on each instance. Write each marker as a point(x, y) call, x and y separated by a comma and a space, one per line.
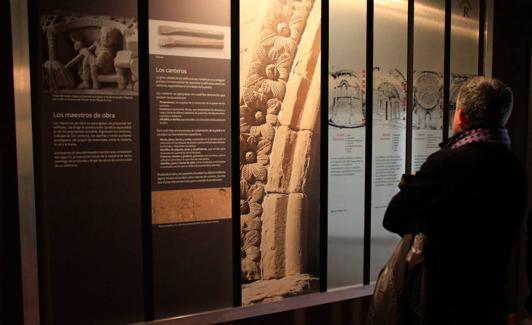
point(190, 128)
point(428, 51)
point(390, 31)
point(280, 85)
point(86, 124)
point(465, 17)
point(183, 160)
point(347, 141)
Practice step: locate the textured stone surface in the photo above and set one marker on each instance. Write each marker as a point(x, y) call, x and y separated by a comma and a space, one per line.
point(310, 44)
point(281, 160)
point(279, 111)
point(274, 290)
point(250, 270)
point(190, 205)
point(273, 236)
point(300, 165)
point(303, 89)
point(134, 65)
point(310, 120)
point(294, 101)
point(122, 59)
point(132, 44)
point(252, 14)
point(269, 44)
point(296, 238)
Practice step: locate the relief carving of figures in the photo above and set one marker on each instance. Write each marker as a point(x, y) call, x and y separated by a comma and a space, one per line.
point(98, 59)
point(90, 54)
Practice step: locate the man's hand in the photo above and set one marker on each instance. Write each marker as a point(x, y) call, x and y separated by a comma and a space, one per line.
point(405, 180)
point(85, 52)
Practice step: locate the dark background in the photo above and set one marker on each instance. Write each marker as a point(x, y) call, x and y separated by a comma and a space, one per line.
point(120, 8)
point(196, 68)
point(210, 12)
point(192, 268)
point(511, 63)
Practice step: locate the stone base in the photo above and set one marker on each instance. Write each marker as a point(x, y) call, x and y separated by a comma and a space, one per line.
point(277, 289)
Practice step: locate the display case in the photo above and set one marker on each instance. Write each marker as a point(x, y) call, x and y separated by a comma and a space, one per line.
point(227, 158)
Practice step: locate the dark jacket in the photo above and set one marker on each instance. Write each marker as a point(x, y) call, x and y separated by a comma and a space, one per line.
point(471, 200)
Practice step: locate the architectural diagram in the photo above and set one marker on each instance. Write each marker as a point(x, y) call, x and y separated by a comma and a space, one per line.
point(428, 91)
point(389, 97)
point(346, 100)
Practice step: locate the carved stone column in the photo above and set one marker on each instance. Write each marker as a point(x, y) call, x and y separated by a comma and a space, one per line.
point(279, 120)
point(291, 153)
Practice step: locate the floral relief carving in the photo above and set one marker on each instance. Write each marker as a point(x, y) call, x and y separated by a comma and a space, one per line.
point(284, 26)
point(268, 73)
point(261, 101)
point(254, 159)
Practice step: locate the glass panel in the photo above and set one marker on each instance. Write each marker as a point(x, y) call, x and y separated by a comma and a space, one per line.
point(86, 117)
point(347, 136)
point(280, 69)
point(464, 48)
point(190, 111)
point(429, 50)
point(389, 120)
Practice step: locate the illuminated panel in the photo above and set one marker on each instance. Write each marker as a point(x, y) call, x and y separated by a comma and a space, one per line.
point(429, 42)
point(347, 136)
point(279, 147)
point(389, 120)
point(464, 48)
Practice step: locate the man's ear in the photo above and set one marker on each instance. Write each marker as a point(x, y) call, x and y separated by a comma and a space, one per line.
point(462, 119)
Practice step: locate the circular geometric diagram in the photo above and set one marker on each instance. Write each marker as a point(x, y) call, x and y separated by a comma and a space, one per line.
point(427, 93)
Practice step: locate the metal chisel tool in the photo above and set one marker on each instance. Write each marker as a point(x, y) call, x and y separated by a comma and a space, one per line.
point(169, 30)
point(179, 41)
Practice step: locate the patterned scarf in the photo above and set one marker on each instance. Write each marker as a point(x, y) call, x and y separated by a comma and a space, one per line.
point(479, 135)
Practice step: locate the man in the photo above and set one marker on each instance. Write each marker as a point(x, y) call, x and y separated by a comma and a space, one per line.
point(469, 198)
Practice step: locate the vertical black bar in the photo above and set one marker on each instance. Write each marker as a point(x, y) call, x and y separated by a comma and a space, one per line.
point(446, 70)
point(481, 39)
point(235, 149)
point(369, 141)
point(409, 87)
point(145, 156)
point(45, 297)
point(324, 143)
